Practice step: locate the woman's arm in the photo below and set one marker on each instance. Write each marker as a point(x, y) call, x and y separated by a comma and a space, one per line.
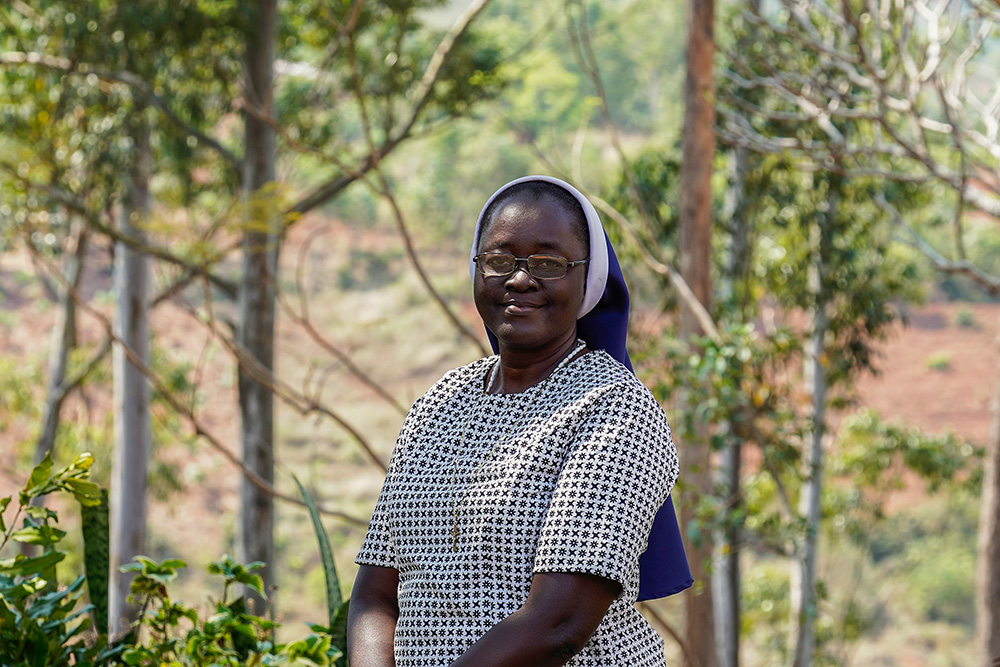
point(557, 620)
point(372, 616)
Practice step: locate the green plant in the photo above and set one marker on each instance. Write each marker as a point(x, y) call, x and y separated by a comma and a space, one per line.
point(171, 633)
point(43, 624)
point(336, 606)
point(965, 318)
point(939, 361)
point(40, 623)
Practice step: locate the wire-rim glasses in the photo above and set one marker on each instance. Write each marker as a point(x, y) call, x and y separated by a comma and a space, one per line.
point(542, 267)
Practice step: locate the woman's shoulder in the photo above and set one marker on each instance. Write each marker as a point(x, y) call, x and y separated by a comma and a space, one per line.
point(602, 370)
point(606, 379)
point(457, 378)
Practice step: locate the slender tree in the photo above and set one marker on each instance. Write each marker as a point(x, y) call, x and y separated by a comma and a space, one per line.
point(130, 462)
point(694, 245)
point(255, 333)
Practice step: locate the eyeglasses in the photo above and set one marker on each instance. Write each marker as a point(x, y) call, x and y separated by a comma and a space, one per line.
point(542, 267)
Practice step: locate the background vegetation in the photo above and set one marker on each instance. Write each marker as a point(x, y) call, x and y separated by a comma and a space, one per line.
point(233, 249)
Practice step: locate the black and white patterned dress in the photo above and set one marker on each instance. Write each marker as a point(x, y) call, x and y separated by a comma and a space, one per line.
point(575, 478)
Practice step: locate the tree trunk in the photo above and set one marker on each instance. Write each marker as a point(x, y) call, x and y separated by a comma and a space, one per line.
point(255, 335)
point(726, 563)
point(63, 341)
point(131, 390)
point(732, 290)
point(695, 266)
point(988, 556)
point(804, 570)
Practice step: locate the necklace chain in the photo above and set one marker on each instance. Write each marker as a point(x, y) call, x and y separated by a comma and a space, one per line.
point(456, 504)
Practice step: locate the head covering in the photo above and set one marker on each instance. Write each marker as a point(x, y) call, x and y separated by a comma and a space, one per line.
point(603, 323)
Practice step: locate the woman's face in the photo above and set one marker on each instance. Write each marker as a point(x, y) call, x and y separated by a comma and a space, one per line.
point(522, 311)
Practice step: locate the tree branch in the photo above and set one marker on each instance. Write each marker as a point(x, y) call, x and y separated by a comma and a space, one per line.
point(199, 430)
point(130, 79)
point(335, 185)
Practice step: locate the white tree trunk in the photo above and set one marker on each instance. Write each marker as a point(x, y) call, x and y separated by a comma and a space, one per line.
point(803, 578)
point(988, 556)
point(255, 527)
point(131, 388)
point(63, 341)
point(726, 555)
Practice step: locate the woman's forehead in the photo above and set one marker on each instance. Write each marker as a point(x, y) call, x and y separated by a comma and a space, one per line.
point(544, 220)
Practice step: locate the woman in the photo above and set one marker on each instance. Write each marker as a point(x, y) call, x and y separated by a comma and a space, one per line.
point(523, 487)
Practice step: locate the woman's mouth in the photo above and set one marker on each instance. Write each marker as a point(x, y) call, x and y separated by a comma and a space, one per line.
point(520, 307)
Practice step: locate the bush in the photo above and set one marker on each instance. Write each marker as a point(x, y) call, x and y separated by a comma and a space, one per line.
point(965, 318)
point(40, 622)
point(44, 625)
point(939, 361)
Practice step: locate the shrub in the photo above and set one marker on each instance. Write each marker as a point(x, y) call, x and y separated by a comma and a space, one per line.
point(939, 361)
point(965, 318)
point(40, 622)
point(44, 625)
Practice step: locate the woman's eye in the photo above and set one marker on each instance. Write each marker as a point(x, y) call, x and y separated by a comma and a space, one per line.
point(498, 263)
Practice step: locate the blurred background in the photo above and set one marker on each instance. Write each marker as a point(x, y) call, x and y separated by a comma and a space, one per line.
point(234, 248)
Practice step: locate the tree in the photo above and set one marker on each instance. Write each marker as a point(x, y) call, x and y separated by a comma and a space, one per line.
point(171, 65)
point(255, 323)
point(694, 255)
point(900, 95)
point(131, 389)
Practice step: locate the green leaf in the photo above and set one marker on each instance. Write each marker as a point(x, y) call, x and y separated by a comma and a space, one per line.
point(3, 508)
point(235, 573)
point(21, 566)
point(338, 629)
point(86, 493)
point(43, 535)
point(40, 513)
point(41, 477)
point(334, 600)
point(97, 557)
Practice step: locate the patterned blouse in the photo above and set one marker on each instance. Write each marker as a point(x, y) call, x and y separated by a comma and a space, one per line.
point(567, 478)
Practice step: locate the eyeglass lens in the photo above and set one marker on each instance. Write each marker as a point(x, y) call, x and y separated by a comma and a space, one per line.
point(539, 266)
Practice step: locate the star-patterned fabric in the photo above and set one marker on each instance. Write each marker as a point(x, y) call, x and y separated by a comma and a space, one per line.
point(565, 479)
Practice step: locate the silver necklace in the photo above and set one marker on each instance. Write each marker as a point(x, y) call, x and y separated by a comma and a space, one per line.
point(456, 504)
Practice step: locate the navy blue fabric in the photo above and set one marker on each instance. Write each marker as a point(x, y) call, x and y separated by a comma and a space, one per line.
point(663, 567)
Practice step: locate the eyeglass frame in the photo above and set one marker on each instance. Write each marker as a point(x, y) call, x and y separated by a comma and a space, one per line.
point(527, 267)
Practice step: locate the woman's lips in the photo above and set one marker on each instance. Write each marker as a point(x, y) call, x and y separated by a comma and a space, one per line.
point(520, 307)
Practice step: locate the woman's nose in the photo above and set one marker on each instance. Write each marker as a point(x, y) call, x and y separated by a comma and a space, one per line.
point(521, 278)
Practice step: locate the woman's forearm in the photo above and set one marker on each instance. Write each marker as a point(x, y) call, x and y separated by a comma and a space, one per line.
point(372, 616)
point(371, 626)
point(556, 621)
point(520, 640)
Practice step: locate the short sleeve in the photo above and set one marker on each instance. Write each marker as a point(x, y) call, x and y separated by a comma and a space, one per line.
point(378, 547)
point(619, 472)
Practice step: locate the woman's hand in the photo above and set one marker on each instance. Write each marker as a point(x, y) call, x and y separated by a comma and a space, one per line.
point(372, 616)
point(556, 621)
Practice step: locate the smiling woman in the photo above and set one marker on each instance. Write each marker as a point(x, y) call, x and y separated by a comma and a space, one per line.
point(523, 488)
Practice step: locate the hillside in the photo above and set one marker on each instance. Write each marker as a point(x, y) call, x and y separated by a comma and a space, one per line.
point(937, 372)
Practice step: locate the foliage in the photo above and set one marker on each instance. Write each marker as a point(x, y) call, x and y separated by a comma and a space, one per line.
point(337, 607)
point(170, 633)
point(874, 454)
point(933, 546)
point(42, 623)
